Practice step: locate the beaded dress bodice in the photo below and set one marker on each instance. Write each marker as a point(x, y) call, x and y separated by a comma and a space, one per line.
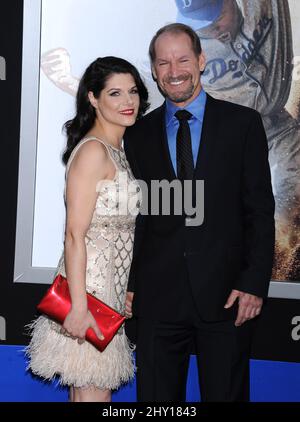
point(109, 239)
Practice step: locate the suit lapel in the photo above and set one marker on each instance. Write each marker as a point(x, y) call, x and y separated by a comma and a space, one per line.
point(208, 139)
point(163, 145)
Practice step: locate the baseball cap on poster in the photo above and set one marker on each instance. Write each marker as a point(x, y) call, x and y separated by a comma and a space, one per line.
point(198, 13)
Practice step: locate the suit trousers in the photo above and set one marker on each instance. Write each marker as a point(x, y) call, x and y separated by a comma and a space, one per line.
point(164, 349)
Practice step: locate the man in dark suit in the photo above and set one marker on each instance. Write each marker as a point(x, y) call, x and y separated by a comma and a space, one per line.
point(199, 285)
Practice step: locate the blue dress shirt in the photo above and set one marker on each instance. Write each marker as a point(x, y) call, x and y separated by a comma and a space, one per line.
point(196, 108)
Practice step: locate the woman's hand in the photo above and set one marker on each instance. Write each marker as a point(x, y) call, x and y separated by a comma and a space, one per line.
point(77, 322)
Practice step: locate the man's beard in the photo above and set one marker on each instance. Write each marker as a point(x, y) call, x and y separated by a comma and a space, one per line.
point(180, 96)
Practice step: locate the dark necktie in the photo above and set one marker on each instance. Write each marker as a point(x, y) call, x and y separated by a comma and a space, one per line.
point(184, 158)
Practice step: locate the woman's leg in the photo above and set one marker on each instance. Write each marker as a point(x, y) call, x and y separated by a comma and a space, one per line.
point(90, 394)
point(71, 394)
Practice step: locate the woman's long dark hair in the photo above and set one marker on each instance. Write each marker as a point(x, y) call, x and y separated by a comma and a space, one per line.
point(94, 80)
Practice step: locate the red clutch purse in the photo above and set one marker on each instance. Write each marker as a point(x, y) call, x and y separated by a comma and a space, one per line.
point(56, 305)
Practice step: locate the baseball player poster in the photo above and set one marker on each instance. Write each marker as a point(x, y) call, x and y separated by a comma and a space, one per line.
point(252, 50)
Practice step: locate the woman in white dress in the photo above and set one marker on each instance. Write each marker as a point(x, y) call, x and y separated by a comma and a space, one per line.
point(102, 201)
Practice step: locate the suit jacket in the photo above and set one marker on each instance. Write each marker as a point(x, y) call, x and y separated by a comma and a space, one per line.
point(233, 248)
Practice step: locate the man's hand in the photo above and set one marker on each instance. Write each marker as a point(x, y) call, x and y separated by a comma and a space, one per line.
point(128, 304)
point(249, 306)
point(57, 67)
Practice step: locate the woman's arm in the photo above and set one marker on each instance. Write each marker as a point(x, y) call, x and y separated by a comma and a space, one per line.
point(90, 165)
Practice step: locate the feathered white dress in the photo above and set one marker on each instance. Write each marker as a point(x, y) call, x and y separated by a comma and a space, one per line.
point(109, 245)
